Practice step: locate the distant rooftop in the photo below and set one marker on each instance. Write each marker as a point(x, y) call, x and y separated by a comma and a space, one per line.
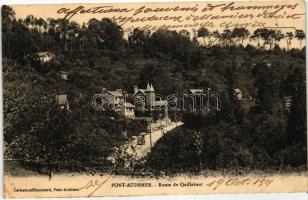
point(45, 53)
point(160, 103)
point(128, 105)
point(115, 94)
point(196, 91)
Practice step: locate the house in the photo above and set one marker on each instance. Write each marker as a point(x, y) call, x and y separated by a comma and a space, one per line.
point(201, 100)
point(246, 103)
point(195, 91)
point(114, 97)
point(63, 101)
point(117, 102)
point(45, 57)
point(195, 100)
point(128, 110)
point(148, 95)
point(149, 100)
point(287, 102)
point(64, 75)
point(238, 94)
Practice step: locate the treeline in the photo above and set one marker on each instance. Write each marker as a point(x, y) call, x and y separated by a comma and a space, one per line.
point(262, 36)
point(36, 34)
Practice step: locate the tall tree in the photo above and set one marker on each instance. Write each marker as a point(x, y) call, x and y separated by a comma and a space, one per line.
point(61, 30)
point(297, 117)
point(300, 35)
point(289, 38)
point(226, 37)
point(204, 33)
point(73, 31)
point(278, 37)
point(137, 38)
point(184, 33)
point(216, 35)
point(83, 37)
point(8, 15)
point(110, 34)
point(257, 36)
point(267, 87)
point(240, 34)
point(42, 24)
point(271, 38)
point(93, 27)
point(29, 21)
point(267, 36)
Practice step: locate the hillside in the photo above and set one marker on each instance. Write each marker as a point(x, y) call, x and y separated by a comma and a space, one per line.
point(97, 56)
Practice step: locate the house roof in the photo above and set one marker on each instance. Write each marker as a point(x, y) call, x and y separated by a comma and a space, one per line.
point(287, 98)
point(45, 53)
point(64, 72)
point(62, 99)
point(149, 87)
point(115, 94)
point(128, 105)
point(142, 91)
point(237, 90)
point(148, 119)
point(196, 91)
point(160, 103)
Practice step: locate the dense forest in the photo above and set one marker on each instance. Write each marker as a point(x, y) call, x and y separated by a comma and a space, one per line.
point(97, 55)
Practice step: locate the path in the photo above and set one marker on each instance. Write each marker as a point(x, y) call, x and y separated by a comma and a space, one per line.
point(132, 148)
point(142, 150)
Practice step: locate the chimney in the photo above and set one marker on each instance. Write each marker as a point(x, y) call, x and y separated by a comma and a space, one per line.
point(135, 89)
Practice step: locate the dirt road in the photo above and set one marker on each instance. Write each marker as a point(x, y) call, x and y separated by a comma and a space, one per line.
point(131, 149)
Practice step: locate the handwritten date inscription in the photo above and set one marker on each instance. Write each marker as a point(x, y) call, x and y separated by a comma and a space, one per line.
point(94, 185)
point(238, 182)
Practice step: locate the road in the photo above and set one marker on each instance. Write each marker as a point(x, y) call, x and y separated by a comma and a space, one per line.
point(132, 150)
point(142, 150)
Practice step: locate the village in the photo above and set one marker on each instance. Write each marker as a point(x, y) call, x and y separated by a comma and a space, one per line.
point(144, 104)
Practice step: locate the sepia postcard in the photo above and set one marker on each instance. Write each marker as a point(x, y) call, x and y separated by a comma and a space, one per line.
point(168, 98)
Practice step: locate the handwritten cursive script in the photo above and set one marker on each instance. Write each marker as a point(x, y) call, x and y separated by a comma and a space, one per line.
point(211, 15)
point(94, 184)
point(69, 13)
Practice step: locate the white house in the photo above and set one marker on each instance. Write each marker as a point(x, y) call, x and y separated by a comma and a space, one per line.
point(114, 97)
point(238, 94)
point(116, 100)
point(64, 75)
point(45, 57)
point(63, 101)
point(128, 110)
